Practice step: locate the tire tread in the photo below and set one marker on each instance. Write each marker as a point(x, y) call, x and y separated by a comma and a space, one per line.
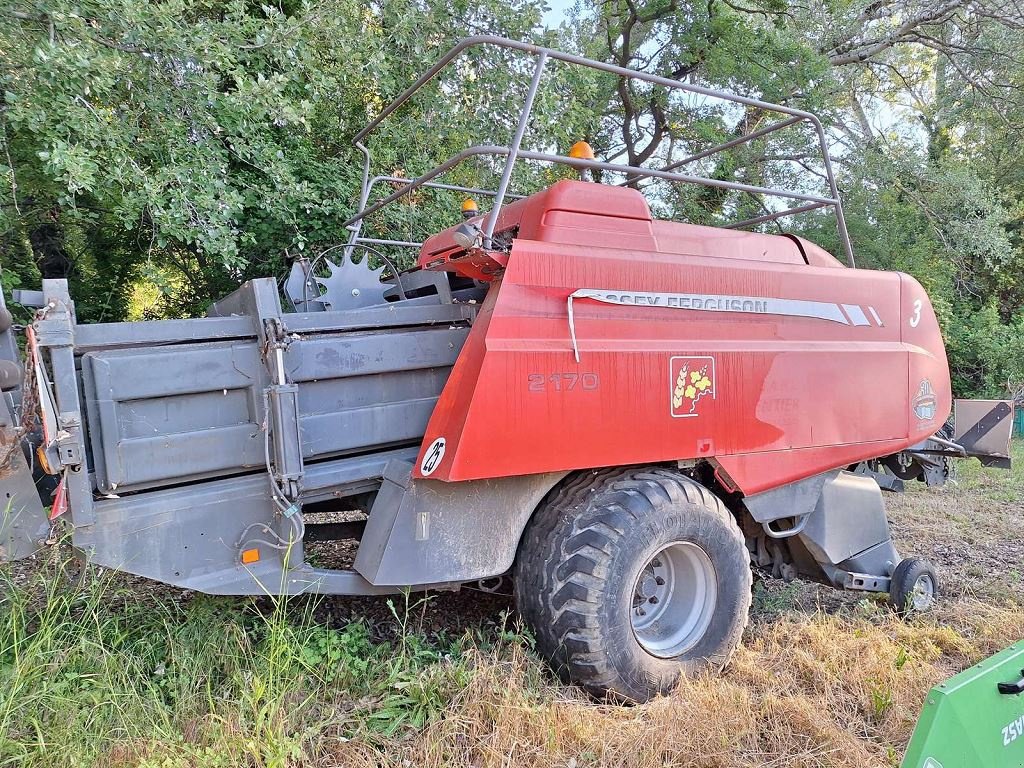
point(579, 526)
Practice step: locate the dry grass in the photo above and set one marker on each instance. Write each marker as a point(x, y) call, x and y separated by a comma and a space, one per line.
point(807, 691)
point(821, 680)
point(808, 688)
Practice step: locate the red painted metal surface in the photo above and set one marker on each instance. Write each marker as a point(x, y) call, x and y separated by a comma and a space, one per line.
point(748, 380)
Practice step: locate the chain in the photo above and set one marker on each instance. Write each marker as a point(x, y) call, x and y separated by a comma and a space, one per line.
point(29, 404)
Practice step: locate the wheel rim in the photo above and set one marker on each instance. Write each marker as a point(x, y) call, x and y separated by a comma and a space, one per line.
point(923, 593)
point(674, 598)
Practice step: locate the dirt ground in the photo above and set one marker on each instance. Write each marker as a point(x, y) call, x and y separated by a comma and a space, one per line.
point(973, 530)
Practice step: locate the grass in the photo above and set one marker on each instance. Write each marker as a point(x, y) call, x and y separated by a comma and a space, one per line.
point(93, 677)
point(94, 674)
point(995, 486)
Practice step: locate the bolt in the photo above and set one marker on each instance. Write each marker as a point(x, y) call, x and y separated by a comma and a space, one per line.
point(355, 291)
point(656, 563)
point(653, 600)
point(659, 581)
point(641, 612)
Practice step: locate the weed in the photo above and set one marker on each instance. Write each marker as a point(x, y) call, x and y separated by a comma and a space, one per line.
point(774, 599)
point(902, 657)
point(881, 698)
point(96, 675)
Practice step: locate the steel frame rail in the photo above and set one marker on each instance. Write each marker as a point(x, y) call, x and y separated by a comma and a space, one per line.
point(514, 151)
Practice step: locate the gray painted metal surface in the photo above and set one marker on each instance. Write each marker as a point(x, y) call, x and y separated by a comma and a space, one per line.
point(983, 428)
point(165, 415)
point(184, 443)
point(839, 518)
point(427, 530)
point(848, 532)
point(191, 536)
point(793, 500)
point(23, 520)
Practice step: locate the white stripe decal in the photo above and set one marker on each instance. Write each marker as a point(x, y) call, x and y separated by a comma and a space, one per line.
point(856, 314)
point(877, 318)
point(711, 302)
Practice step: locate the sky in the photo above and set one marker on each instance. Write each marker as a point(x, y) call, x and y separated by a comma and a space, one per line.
point(556, 12)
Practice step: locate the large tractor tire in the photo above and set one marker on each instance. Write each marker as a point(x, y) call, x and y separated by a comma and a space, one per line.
point(629, 578)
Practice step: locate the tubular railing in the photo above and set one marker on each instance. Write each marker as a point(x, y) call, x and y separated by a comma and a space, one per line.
point(514, 151)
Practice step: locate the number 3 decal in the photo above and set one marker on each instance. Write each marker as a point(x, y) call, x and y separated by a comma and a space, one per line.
point(916, 317)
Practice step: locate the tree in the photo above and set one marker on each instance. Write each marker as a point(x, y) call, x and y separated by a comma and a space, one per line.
point(206, 138)
point(157, 154)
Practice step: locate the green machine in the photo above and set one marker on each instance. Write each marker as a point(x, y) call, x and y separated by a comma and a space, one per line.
point(975, 719)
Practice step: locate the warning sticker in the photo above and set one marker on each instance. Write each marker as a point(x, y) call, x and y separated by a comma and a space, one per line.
point(691, 383)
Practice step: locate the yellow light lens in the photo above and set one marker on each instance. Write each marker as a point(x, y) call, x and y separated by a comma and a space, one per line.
point(250, 556)
point(469, 205)
point(581, 151)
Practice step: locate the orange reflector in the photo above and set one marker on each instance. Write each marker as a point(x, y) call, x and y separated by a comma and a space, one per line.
point(469, 208)
point(581, 151)
point(250, 556)
point(41, 455)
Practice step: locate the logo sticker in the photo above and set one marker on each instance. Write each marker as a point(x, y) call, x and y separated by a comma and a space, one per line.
point(691, 381)
point(925, 402)
point(931, 762)
point(432, 458)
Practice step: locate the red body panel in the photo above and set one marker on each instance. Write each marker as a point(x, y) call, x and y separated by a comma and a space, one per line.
point(691, 347)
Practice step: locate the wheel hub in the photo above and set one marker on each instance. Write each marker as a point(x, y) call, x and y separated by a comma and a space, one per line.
point(924, 592)
point(674, 599)
point(648, 586)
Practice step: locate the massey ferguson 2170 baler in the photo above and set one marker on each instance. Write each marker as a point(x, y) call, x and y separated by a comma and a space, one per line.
point(623, 414)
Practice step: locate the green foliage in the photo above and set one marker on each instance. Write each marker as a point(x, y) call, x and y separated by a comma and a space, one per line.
point(157, 154)
point(985, 353)
point(94, 675)
point(206, 137)
point(774, 599)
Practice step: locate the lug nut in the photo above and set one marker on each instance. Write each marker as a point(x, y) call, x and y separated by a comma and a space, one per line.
point(659, 581)
point(653, 600)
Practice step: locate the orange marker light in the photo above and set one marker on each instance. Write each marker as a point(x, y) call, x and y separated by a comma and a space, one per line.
point(469, 208)
point(250, 556)
point(581, 151)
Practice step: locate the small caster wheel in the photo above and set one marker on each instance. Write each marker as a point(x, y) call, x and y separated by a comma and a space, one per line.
point(914, 586)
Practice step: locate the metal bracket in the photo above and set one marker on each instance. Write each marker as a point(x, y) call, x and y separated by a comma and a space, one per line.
point(55, 336)
point(885, 481)
point(865, 582)
point(283, 413)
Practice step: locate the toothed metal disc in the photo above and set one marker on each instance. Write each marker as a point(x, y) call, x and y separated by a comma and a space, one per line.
point(351, 284)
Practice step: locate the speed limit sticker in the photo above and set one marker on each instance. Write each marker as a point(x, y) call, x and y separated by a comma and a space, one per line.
point(432, 457)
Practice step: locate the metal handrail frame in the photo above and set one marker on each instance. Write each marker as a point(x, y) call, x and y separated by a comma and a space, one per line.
point(514, 151)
